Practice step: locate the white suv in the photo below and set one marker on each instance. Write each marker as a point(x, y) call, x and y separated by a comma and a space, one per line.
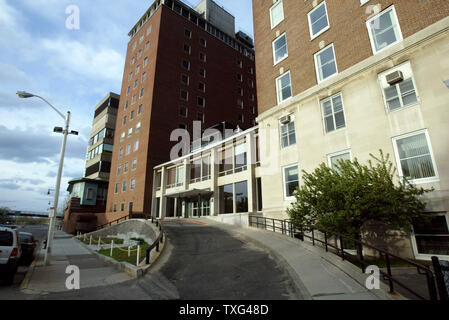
point(10, 252)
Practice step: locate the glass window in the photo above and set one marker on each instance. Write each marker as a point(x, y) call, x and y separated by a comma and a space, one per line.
point(288, 135)
point(432, 236)
point(283, 87)
point(325, 63)
point(134, 164)
point(334, 117)
point(138, 125)
point(117, 188)
point(400, 95)
point(6, 238)
point(291, 180)
point(415, 158)
point(334, 158)
point(124, 186)
point(384, 30)
point(280, 50)
point(276, 14)
point(226, 199)
point(318, 20)
point(132, 184)
point(240, 155)
point(241, 196)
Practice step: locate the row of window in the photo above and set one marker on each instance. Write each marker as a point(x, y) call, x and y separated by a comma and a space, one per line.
point(126, 167)
point(132, 186)
point(397, 95)
point(122, 207)
point(99, 150)
point(106, 132)
point(413, 153)
point(130, 130)
point(128, 148)
point(383, 28)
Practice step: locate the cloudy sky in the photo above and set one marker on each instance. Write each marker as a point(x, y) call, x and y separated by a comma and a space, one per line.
point(73, 70)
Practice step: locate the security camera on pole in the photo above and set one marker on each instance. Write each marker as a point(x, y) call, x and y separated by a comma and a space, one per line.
point(65, 132)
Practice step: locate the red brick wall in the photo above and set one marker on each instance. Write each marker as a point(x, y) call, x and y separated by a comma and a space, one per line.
point(162, 99)
point(347, 32)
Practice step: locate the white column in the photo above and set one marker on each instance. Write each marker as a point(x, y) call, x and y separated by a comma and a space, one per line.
point(163, 202)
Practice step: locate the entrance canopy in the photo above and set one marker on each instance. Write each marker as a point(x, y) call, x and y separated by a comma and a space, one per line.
point(191, 194)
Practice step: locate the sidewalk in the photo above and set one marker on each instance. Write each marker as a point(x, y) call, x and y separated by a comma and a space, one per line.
point(319, 275)
point(68, 251)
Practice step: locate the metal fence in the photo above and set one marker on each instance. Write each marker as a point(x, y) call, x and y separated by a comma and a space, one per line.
point(338, 244)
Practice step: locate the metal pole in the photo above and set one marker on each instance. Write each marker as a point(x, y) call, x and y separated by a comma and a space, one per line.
point(58, 184)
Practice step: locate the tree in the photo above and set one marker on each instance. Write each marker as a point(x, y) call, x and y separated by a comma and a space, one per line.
point(4, 214)
point(343, 199)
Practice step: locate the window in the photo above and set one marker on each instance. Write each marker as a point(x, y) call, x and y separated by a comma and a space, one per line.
point(239, 77)
point(431, 237)
point(401, 94)
point(149, 30)
point(185, 79)
point(141, 38)
point(201, 86)
point(138, 69)
point(122, 206)
point(414, 157)
point(240, 103)
point(139, 110)
point(114, 207)
point(201, 102)
point(126, 104)
point(182, 126)
point(128, 149)
point(132, 185)
point(202, 57)
point(124, 121)
point(325, 63)
point(318, 20)
point(276, 14)
point(186, 64)
point(121, 153)
point(184, 95)
point(145, 61)
point(188, 34)
point(144, 76)
point(384, 30)
point(240, 155)
point(241, 118)
point(283, 87)
point(124, 186)
point(147, 45)
point(288, 135)
point(136, 145)
point(130, 132)
point(187, 48)
point(203, 42)
point(138, 125)
point(226, 199)
point(142, 91)
point(139, 54)
point(333, 113)
point(125, 168)
point(134, 166)
point(122, 137)
point(200, 117)
point(134, 99)
point(335, 157)
point(117, 188)
point(202, 72)
point(130, 76)
point(119, 170)
point(136, 83)
point(241, 196)
point(291, 180)
point(183, 111)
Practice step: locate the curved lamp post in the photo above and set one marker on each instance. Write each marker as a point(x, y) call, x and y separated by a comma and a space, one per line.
point(65, 132)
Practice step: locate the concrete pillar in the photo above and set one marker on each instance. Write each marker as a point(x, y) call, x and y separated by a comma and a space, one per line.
point(186, 178)
point(214, 203)
point(250, 172)
point(163, 205)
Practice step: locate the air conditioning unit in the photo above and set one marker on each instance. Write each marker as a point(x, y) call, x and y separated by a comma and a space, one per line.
point(285, 120)
point(394, 77)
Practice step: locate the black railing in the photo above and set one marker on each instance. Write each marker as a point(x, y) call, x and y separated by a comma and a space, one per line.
point(131, 215)
point(157, 242)
point(319, 236)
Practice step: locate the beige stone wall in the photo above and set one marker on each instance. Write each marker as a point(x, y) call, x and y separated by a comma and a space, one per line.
point(369, 126)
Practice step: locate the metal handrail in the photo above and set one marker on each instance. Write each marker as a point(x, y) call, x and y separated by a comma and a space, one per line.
point(287, 228)
point(157, 242)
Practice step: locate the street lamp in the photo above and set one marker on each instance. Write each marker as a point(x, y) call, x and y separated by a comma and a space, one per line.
point(52, 214)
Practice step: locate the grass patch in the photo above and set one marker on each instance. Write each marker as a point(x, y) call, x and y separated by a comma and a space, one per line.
point(121, 254)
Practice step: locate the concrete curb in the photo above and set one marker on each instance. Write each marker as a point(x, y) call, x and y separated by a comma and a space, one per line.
point(29, 274)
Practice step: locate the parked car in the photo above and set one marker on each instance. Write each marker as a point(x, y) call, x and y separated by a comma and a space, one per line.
point(10, 252)
point(28, 245)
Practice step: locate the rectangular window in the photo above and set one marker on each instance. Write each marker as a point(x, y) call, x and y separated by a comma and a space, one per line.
point(384, 30)
point(119, 169)
point(414, 157)
point(333, 113)
point(280, 50)
point(136, 145)
point(145, 61)
point(139, 110)
point(183, 112)
point(128, 149)
point(122, 206)
point(202, 72)
point(117, 188)
point(186, 64)
point(318, 20)
point(334, 158)
point(202, 57)
point(226, 194)
point(283, 87)
point(240, 156)
point(184, 95)
point(134, 167)
point(138, 125)
point(291, 180)
point(276, 14)
point(188, 33)
point(132, 184)
point(187, 48)
point(325, 63)
point(185, 79)
point(288, 135)
point(201, 102)
point(124, 186)
point(241, 197)
point(432, 236)
point(201, 86)
point(144, 76)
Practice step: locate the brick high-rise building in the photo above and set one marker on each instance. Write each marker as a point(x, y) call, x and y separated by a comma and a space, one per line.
point(182, 65)
point(343, 79)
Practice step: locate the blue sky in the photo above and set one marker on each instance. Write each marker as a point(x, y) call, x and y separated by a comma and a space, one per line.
point(74, 70)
